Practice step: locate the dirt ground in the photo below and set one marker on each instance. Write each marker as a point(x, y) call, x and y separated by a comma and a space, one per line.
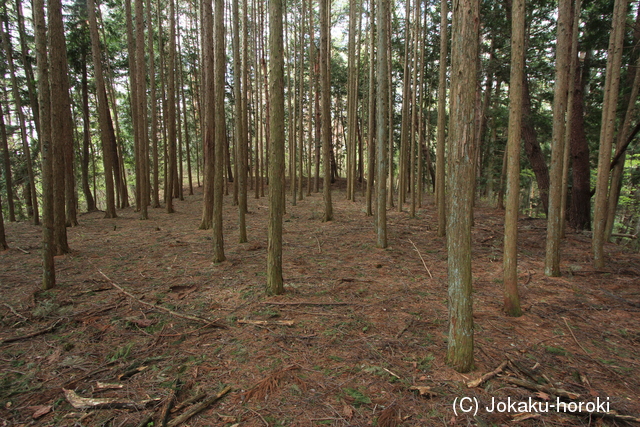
point(358, 339)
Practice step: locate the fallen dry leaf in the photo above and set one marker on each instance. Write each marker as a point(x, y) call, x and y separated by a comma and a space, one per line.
point(524, 416)
point(542, 395)
point(423, 390)
point(40, 411)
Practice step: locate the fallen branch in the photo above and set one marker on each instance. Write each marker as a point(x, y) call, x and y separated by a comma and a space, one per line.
point(79, 402)
point(195, 409)
point(145, 421)
point(420, 255)
point(306, 303)
point(15, 312)
point(487, 376)
point(188, 402)
point(158, 307)
point(23, 251)
point(46, 330)
point(574, 337)
point(544, 388)
point(266, 322)
point(612, 415)
point(166, 410)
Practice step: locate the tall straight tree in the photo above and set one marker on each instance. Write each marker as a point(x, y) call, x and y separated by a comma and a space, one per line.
point(44, 101)
point(371, 128)
point(464, 60)
point(563, 52)
point(28, 70)
point(171, 111)
point(61, 125)
point(104, 119)
point(141, 112)
point(3, 238)
point(276, 165)
point(240, 133)
point(325, 77)
point(442, 121)
point(86, 136)
point(220, 130)
point(382, 120)
point(31, 190)
point(61, 122)
point(510, 257)
point(352, 100)
point(208, 120)
point(4, 145)
point(154, 189)
point(610, 102)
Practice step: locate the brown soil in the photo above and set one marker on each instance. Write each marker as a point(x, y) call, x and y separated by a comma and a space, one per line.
point(367, 324)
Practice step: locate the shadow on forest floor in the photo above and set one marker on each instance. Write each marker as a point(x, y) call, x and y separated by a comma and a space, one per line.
point(358, 339)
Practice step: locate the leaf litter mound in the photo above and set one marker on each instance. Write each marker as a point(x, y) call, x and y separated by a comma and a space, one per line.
point(143, 327)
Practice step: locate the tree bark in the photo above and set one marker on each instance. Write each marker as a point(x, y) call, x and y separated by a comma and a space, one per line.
point(171, 171)
point(464, 54)
point(612, 83)
point(86, 140)
point(533, 150)
point(325, 10)
point(382, 120)
point(442, 123)
point(23, 130)
point(209, 124)
point(141, 111)
point(510, 257)
point(154, 189)
point(104, 120)
point(554, 226)
point(220, 131)
point(44, 101)
point(276, 166)
point(61, 123)
point(371, 127)
point(580, 209)
point(7, 167)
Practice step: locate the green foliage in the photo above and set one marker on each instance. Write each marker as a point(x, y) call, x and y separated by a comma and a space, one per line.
point(358, 397)
point(120, 353)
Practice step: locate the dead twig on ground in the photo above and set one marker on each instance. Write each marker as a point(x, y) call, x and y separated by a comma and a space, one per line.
point(197, 408)
point(306, 303)
point(22, 250)
point(166, 409)
point(574, 337)
point(266, 322)
point(15, 312)
point(487, 376)
point(544, 388)
point(420, 255)
point(79, 402)
point(189, 401)
point(46, 330)
point(158, 307)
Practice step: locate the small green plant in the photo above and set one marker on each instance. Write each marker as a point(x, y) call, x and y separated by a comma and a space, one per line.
point(45, 309)
point(424, 364)
point(558, 351)
point(358, 397)
point(120, 353)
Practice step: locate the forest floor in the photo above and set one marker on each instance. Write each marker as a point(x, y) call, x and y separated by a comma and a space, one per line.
point(358, 339)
